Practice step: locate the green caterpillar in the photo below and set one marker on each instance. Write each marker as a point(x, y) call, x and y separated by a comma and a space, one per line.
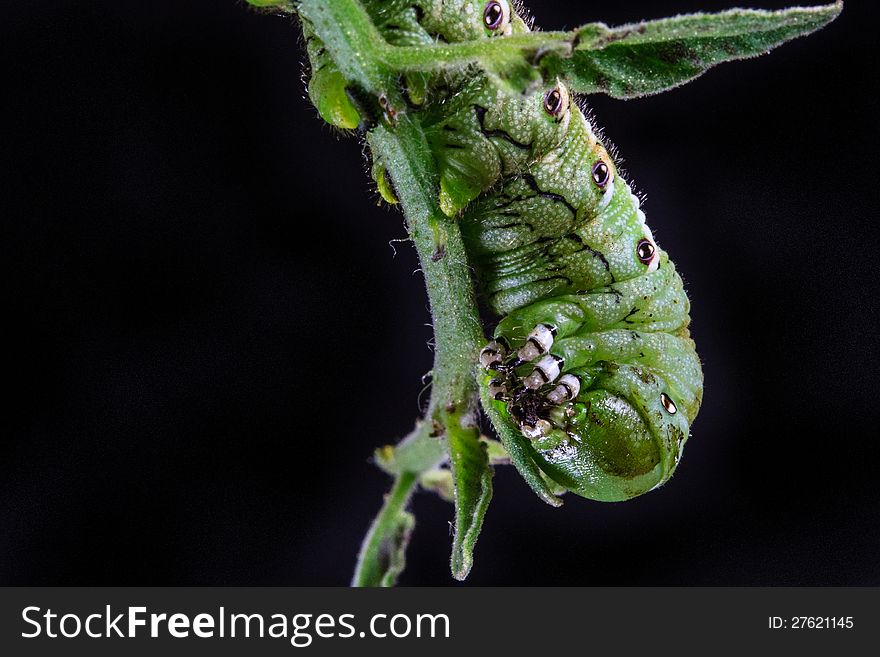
point(592, 365)
point(593, 362)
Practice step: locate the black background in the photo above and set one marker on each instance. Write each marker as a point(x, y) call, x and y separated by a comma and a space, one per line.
point(207, 332)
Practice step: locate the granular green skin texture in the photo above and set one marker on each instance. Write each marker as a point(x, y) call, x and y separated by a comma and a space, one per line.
point(558, 240)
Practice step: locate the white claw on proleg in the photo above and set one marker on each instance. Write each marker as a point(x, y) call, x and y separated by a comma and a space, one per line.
point(568, 388)
point(492, 355)
point(497, 389)
point(538, 342)
point(546, 371)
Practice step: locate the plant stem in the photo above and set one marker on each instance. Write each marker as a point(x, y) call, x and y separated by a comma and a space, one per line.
point(446, 55)
point(458, 334)
point(399, 143)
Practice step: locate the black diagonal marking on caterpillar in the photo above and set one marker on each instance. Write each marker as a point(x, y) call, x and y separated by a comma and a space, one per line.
point(502, 134)
point(529, 180)
point(630, 314)
point(505, 199)
point(510, 200)
point(594, 253)
point(547, 279)
point(567, 280)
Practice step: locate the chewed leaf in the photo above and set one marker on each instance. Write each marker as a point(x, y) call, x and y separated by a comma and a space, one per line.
point(393, 549)
point(650, 57)
point(472, 479)
point(382, 555)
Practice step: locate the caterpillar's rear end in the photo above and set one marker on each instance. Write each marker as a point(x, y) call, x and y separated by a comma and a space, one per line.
point(593, 363)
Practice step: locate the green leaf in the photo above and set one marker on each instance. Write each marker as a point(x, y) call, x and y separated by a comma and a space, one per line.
point(517, 450)
point(624, 62)
point(393, 550)
point(417, 452)
point(650, 57)
point(472, 479)
point(497, 454)
point(439, 481)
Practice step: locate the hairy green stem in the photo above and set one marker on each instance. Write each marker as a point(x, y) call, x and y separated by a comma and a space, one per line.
point(458, 335)
point(443, 55)
point(398, 141)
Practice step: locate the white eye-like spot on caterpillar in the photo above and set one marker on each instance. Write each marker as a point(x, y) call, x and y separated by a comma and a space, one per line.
point(496, 17)
point(603, 178)
point(648, 253)
point(668, 404)
point(601, 174)
point(557, 101)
